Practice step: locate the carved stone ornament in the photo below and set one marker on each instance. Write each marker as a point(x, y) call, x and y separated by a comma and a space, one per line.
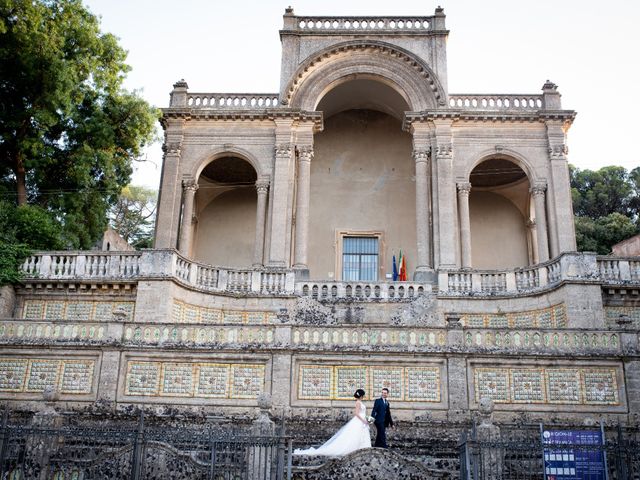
point(464, 188)
point(262, 186)
point(422, 154)
point(444, 150)
point(283, 150)
point(305, 153)
point(172, 148)
point(190, 184)
point(558, 151)
point(538, 189)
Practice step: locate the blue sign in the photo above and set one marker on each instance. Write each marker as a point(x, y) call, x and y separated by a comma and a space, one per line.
point(581, 458)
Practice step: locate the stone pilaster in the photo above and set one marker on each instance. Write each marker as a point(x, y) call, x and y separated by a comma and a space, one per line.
point(189, 189)
point(538, 192)
point(464, 189)
point(281, 193)
point(423, 193)
point(562, 229)
point(305, 155)
point(167, 218)
point(262, 189)
point(446, 195)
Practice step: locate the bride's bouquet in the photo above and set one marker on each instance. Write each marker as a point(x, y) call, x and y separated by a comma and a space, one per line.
point(370, 419)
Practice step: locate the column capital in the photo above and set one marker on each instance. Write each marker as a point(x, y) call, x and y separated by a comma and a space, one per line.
point(305, 153)
point(172, 148)
point(530, 224)
point(189, 184)
point(421, 154)
point(464, 188)
point(283, 150)
point(262, 186)
point(538, 189)
point(559, 151)
point(444, 150)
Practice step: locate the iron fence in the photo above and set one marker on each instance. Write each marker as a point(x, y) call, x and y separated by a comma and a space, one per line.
point(81, 452)
point(534, 454)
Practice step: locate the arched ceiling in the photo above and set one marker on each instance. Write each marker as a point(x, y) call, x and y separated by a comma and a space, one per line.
point(496, 172)
point(363, 94)
point(230, 170)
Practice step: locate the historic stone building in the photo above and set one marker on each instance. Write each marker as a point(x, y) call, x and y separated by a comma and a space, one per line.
point(278, 218)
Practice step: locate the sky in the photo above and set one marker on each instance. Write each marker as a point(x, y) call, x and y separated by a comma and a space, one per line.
point(589, 49)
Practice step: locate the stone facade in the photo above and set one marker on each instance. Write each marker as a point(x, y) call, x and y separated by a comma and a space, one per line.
point(362, 141)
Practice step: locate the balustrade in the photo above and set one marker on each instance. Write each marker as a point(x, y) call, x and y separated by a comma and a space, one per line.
point(79, 265)
point(497, 102)
point(361, 290)
point(364, 23)
point(232, 101)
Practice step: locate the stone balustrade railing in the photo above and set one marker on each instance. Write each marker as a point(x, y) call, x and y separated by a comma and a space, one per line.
point(497, 102)
point(129, 266)
point(361, 290)
point(362, 24)
point(539, 339)
point(232, 101)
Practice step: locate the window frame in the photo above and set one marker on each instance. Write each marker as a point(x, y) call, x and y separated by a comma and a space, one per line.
point(342, 234)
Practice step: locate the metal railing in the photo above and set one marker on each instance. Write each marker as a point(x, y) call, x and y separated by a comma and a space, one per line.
point(140, 452)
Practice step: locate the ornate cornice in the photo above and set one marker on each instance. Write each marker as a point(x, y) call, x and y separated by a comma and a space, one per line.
point(195, 114)
point(487, 116)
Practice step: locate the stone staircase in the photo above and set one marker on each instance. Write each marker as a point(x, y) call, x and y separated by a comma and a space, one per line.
point(370, 464)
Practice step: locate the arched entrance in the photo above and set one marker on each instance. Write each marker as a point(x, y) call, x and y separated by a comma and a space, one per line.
point(500, 214)
point(226, 213)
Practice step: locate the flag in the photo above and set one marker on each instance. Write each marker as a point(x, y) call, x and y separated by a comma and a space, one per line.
point(402, 275)
point(395, 269)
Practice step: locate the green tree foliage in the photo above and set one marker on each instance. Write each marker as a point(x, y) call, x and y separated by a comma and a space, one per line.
point(68, 131)
point(606, 206)
point(133, 215)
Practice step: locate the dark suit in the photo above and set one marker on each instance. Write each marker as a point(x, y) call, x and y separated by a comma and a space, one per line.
point(382, 418)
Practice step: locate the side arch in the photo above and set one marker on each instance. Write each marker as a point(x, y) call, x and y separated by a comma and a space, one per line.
point(227, 151)
point(506, 154)
point(400, 69)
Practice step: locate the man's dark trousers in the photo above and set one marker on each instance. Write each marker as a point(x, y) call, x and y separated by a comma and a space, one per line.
point(382, 415)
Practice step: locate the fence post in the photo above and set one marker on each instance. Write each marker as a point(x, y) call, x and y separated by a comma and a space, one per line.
point(289, 457)
point(136, 460)
point(4, 439)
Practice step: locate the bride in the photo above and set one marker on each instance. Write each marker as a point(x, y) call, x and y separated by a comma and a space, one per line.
point(354, 435)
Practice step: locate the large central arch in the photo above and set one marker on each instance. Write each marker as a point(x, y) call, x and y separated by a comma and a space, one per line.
point(389, 64)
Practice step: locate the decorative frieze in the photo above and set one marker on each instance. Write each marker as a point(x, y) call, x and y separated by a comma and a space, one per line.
point(394, 337)
point(568, 340)
point(152, 334)
point(550, 317)
point(338, 382)
point(33, 375)
point(186, 313)
point(81, 310)
point(28, 330)
point(194, 379)
point(547, 385)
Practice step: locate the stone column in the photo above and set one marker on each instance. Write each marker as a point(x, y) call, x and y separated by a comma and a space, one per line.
point(168, 214)
point(305, 155)
point(423, 193)
point(262, 188)
point(538, 192)
point(465, 223)
point(531, 226)
point(189, 188)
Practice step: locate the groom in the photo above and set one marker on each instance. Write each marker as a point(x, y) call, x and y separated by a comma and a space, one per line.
point(381, 414)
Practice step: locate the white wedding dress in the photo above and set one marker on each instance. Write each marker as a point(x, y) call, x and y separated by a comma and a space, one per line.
point(353, 436)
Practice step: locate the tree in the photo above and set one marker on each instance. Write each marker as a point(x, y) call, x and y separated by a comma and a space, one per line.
point(68, 131)
point(606, 206)
point(133, 215)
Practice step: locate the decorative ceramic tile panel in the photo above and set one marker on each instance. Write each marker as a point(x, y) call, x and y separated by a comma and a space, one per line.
point(387, 377)
point(563, 385)
point(213, 380)
point(194, 379)
point(233, 317)
point(612, 315)
point(339, 382)
point(187, 313)
point(54, 310)
point(77, 376)
point(548, 385)
point(348, 380)
point(492, 383)
point(42, 374)
point(12, 374)
point(422, 384)
point(33, 309)
point(315, 382)
point(600, 386)
point(551, 317)
point(103, 311)
point(79, 310)
point(247, 381)
point(176, 312)
point(527, 385)
point(177, 380)
point(143, 378)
